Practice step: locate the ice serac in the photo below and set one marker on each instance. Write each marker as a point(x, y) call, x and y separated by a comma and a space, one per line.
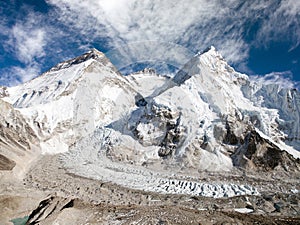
point(287, 103)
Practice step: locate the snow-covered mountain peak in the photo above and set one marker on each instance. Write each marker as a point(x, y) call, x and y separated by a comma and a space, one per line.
point(61, 80)
point(210, 56)
point(209, 60)
point(216, 62)
point(92, 54)
point(210, 50)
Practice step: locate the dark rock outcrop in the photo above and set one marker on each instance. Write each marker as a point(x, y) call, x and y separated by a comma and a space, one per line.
point(49, 207)
point(6, 163)
point(260, 154)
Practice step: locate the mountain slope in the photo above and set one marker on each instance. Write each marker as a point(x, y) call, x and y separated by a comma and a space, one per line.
point(72, 99)
point(19, 144)
point(241, 111)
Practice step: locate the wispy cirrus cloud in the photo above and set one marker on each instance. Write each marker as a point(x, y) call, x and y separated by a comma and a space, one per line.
point(194, 24)
point(232, 26)
point(26, 40)
point(282, 79)
point(20, 74)
point(283, 23)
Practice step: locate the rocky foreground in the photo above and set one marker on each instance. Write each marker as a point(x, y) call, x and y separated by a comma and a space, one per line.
point(51, 195)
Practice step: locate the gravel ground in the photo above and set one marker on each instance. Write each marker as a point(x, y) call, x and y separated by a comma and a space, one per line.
point(58, 196)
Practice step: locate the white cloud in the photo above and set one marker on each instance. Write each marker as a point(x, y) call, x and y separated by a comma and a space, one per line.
point(27, 41)
point(283, 23)
point(283, 79)
point(25, 73)
point(17, 74)
point(195, 24)
point(199, 23)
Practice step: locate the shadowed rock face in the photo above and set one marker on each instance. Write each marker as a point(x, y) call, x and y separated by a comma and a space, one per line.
point(6, 163)
point(260, 154)
point(16, 137)
point(92, 54)
point(49, 207)
point(14, 130)
point(154, 124)
point(3, 92)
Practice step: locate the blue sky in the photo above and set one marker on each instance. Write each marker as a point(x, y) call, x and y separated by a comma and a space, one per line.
point(256, 37)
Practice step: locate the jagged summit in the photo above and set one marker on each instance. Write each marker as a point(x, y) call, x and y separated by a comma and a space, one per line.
point(210, 59)
point(61, 80)
point(91, 54)
point(208, 49)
